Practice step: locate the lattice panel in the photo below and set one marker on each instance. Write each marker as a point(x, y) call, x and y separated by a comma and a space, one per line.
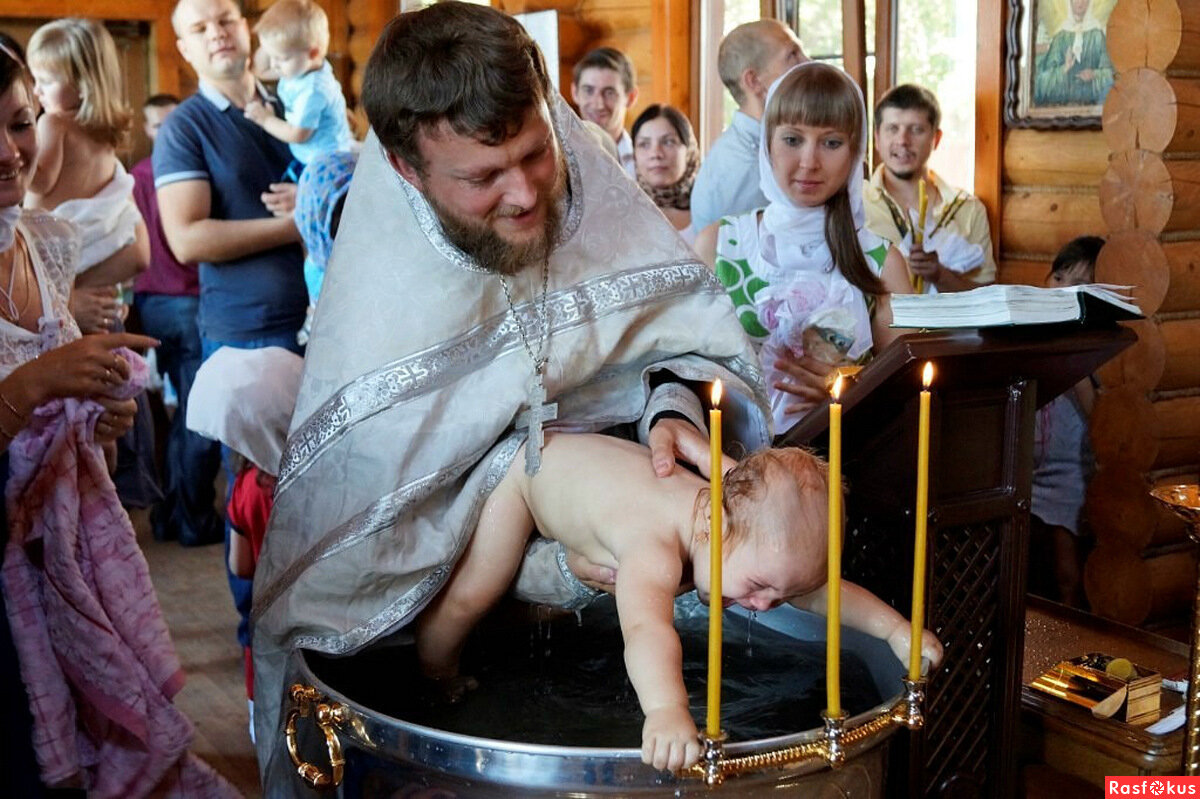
point(873, 547)
point(966, 614)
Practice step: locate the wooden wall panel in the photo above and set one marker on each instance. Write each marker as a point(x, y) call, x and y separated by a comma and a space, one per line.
point(168, 71)
point(655, 35)
point(1039, 158)
point(1038, 220)
point(989, 115)
point(1051, 195)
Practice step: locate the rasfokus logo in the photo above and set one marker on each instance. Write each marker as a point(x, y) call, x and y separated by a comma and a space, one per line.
point(1151, 786)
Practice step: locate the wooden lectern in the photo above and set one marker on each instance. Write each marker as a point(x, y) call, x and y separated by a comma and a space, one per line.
point(987, 386)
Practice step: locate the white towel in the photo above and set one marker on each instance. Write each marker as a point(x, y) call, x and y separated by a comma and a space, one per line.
point(107, 221)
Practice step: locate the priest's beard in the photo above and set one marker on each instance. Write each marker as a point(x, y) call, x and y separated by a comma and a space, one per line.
point(491, 250)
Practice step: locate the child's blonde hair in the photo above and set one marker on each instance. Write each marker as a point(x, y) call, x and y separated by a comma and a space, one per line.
point(296, 25)
point(83, 52)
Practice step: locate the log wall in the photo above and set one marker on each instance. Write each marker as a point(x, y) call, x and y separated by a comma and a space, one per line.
point(1051, 182)
point(1146, 424)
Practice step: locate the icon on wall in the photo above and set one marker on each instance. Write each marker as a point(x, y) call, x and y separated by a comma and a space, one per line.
point(1059, 71)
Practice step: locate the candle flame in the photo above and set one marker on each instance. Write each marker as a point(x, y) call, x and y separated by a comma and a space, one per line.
point(716, 393)
point(837, 388)
point(927, 377)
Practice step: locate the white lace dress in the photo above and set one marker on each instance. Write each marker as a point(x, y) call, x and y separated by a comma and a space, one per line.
point(54, 250)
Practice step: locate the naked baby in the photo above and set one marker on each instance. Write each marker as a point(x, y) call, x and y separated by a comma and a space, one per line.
point(600, 497)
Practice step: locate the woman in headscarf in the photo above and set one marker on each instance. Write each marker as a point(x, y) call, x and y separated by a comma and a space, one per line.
point(667, 157)
point(810, 284)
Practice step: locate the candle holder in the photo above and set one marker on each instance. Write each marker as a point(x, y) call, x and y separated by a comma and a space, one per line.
point(1184, 502)
point(909, 710)
point(835, 747)
point(712, 758)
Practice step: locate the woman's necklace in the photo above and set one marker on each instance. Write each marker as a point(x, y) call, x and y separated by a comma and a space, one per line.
point(537, 410)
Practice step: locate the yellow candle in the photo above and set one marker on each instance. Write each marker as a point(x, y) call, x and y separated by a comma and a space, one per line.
point(918, 600)
point(919, 232)
point(713, 723)
point(833, 623)
point(922, 207)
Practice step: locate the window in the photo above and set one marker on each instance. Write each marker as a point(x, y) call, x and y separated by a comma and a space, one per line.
point(935, 46)
point(737, 12)
point(936, 49)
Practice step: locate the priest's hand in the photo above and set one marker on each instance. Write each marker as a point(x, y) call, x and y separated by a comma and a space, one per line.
point(601, 578)
point(673, 439)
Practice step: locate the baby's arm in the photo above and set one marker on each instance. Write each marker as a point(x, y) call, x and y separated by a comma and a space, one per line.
point(864, 611)
point(481, 577)
point(263, 115)
point(51, 132)
point(646, 583)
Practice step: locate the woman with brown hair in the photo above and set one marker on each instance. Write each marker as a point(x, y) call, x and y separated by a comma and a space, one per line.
point(667, 158)
point(809, 283)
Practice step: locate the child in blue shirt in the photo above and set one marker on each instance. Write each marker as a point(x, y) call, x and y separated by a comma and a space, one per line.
point(294, 34)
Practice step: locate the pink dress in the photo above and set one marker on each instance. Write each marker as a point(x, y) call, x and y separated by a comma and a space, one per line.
point(96, 657)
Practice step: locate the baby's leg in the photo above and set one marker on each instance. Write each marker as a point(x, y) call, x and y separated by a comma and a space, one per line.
point(480, 579)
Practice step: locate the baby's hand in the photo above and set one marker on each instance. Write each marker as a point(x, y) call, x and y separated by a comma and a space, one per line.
point(669, 739)
point(258, 112)
point(931, 647)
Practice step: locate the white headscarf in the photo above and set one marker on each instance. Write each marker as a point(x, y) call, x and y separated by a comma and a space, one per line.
point(1089, 22)
point(244, 399)
point(793, 236)
point(793, 252)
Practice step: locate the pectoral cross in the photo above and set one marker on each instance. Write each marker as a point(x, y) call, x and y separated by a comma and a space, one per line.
point(538, 412)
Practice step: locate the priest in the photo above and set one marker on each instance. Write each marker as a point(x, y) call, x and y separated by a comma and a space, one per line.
point(495, 275)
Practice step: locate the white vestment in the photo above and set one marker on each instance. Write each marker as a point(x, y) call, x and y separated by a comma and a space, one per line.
point(416, 372)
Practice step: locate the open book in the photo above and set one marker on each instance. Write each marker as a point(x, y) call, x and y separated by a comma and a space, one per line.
point(1000, 304)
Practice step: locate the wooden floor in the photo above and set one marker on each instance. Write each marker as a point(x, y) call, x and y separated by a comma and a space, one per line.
point(196, 602)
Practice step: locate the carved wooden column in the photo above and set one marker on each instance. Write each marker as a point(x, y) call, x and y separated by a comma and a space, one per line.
point(1146, 425)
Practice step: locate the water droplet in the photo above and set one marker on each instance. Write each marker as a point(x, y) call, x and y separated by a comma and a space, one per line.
point(578, 618)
